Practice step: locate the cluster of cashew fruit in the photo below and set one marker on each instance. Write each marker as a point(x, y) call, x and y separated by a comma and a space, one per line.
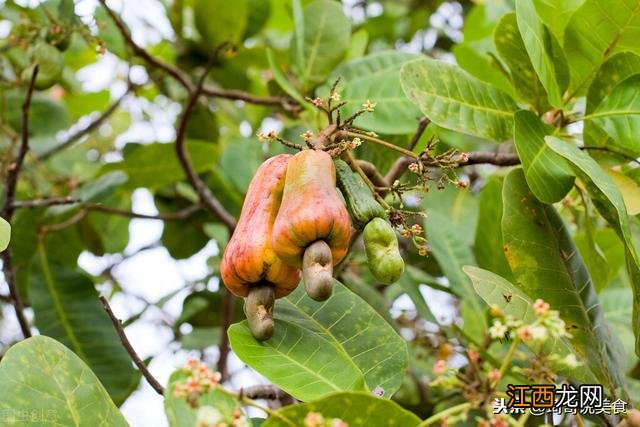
point(294, 224)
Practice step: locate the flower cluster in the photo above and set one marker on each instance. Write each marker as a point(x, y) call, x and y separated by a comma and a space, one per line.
point(547, 324)
point(315, 419)
point(202, 380)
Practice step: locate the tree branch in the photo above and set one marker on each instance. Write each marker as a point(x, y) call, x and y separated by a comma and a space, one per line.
point(492, 158)
point(207, 198)
point(400, 165)
point(76, 136)
point(43, 203)
point(184, 80)
point(7, 211)
point(172, 216)
point(127, 346)
point(267, 392)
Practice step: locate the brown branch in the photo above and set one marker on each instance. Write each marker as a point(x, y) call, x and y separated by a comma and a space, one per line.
point(372, 173)
point(127, 346)
point(43, 203)
point(76, 136)
point(228, 312)
point(174, 72)
point(207, 198)
point(7, 211)
point(172, 216)
point(400, 165)
point(267, 392)
point(184, 80)
point(287, 104)
point(489, 157)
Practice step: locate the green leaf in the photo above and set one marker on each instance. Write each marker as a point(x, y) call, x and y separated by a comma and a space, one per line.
point(181, 414)
point(597, 30)
point(618, 309)
point(615, 69)
point(320, 41)
point(556, 14)
point(547, 174)
point(619, 114)
point(319, 348)
point(488, 237)
point(201, 338)
point(220, 21)
point(5, 234)
point(452, 253)
point(538, 43)
point(607, 199)
point(80, 104)
point(492, 288)
point(240, 160)
point(546, 263)
point(629, 189)
point(512, 50)
point(451, 98)
point(481, 64)
point(284, 83)
point(356, 409)
point(155, 165)
point(67, 308)
point(41, 377)
point(46, 116)
point(376, 77)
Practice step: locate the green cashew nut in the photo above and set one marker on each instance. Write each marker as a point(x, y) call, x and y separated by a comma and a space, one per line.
point(383, 255)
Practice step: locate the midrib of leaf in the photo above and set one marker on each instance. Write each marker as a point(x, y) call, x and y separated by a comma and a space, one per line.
point(313, 373)
point(612, 113)
point(68, 398)
point(607, 52)
point(466, 104)
point(326, 331)
point(48, 278)
point(314, 47)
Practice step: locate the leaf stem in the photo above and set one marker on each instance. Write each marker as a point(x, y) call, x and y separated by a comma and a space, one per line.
point(450, 411)
point(507, 360)
point(382, 142)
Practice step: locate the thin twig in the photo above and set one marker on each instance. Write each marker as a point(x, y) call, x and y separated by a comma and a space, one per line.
point(267, 392)
point(76, 136)
point(185, 81)
point(172, 216)
point(8, 208)
point(379, 141)
point(127, 346)
point(207, 198)
point(400, 165)
point(489, 157)
point(43, 203)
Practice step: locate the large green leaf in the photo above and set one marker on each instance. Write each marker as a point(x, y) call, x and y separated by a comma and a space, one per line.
point(607, 199)
point(539, 45)
point(546, 264)
point(547, 174)
point(43, 383)
point(597, 30)
point(155, 165)
point(66, 307)
point(488, 238)
point(451, 98)
point(618, 309)
point(5, 234)
point(512, 50)
point(480, 62)
point(320, 41)
point(356, 409)
point(615, 69)
point(556, 14)
point(319, 348)
point(492, 288)
point(376, 77)
point(452, 253)
point(220, 21)
point(619, 114)
point(181, 414)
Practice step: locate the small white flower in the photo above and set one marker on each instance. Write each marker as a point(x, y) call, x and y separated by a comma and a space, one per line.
point(498, 330)
point(208, 416)
point(571, 361)
point(539, 333)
